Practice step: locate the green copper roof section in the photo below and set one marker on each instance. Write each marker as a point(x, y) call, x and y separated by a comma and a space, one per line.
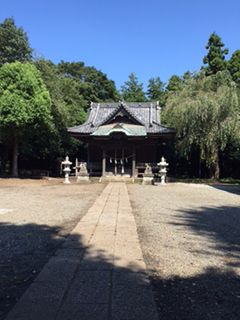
point(128, 129)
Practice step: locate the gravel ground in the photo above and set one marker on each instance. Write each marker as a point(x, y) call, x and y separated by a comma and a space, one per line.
point(35, 217)
point(190, 237)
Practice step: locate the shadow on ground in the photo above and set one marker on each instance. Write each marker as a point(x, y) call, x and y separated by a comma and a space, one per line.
point(69, 287)
point(214, 294)
point(24, 249)
point(235, 189)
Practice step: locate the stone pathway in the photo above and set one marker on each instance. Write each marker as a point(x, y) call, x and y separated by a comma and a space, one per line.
point(98, 274)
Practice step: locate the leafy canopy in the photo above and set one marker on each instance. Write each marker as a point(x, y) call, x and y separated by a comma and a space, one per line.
point(174, 83)
point(24, 99)
point(14, 45)
point(234, 66)
point(155, 90)
point(215, 59)
point(132, 90)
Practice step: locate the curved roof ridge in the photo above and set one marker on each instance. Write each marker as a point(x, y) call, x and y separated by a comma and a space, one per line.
point(124, 106)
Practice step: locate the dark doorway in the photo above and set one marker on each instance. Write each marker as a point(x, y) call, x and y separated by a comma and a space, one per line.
point(119, 161)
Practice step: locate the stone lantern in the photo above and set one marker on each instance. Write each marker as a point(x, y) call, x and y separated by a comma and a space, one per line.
point(66, 169)
point(163, 170)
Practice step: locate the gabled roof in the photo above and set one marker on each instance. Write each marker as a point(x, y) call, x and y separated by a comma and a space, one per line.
point(146, 114)
point(122, 108)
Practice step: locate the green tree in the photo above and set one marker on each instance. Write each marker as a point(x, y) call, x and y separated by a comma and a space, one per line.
point(174, 84)
point(205, 114)
point(68, 109)
point(14, 45)
point(155, 90)
point(132, 90)
point(215, 59)
point(95, 85)
point(234, 66)
point(24, 104)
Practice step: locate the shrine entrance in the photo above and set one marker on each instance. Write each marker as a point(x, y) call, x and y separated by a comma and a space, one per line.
point(119, 161)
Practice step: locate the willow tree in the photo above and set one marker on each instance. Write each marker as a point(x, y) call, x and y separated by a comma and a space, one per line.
point(24, 105)
point(205, 114)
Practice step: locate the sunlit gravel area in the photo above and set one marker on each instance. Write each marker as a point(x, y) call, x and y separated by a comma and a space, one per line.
point(190, 237)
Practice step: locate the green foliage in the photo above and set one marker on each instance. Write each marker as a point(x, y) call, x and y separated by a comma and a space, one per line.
point(72, 86)
point(14, 45)
point(24, 99)
point(24, 105)
point(155, 90)
point(215, 59)
point(205, 114)
point(234, 66)
point(174, 84)
point(93, 84)
point(132, 90)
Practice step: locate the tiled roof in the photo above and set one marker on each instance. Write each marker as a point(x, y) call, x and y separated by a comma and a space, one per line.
point(146, 113)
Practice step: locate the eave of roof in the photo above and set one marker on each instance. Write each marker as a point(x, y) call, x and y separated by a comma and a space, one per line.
point(142, 113)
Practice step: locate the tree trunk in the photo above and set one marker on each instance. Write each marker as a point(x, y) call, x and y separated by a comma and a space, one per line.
point(215, 169)
point(200, 168)
point(15, 158)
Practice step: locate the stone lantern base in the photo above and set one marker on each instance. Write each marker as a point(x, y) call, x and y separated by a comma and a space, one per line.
point(148, 180)
point(82, 175)
point(83, 179)
point(148, 175)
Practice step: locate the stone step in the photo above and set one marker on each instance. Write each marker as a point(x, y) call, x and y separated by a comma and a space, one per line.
point(117, 178)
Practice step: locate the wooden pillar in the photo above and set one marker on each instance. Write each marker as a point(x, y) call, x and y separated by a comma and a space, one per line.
point(103, 163)
point(88, 154)
point(88, 159)
point(133, 162)
point(115, 162)
point(123, 169)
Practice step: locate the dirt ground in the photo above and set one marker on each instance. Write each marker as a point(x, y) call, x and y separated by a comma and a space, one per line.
point(35, 217)
point(190, 237)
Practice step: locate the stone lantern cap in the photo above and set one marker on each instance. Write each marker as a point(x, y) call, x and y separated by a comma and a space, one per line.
point(66, 161)
point(163, 162)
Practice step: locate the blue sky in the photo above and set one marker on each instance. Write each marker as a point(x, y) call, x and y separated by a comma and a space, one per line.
point(149, 37)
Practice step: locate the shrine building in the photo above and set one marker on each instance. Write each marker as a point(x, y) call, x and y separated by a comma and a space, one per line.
point(122, 137)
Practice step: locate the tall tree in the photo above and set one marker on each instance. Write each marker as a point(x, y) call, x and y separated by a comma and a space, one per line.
point(24, 104)
point(132, 90)
point(206, 115)
point(155, 91)
point(14, 45)
point(68, 109)
point(234, 66)
point(95, 85)
point(174, 83)
point(215, 59)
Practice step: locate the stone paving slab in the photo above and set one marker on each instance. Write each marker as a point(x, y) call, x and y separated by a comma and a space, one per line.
point(98, 274)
